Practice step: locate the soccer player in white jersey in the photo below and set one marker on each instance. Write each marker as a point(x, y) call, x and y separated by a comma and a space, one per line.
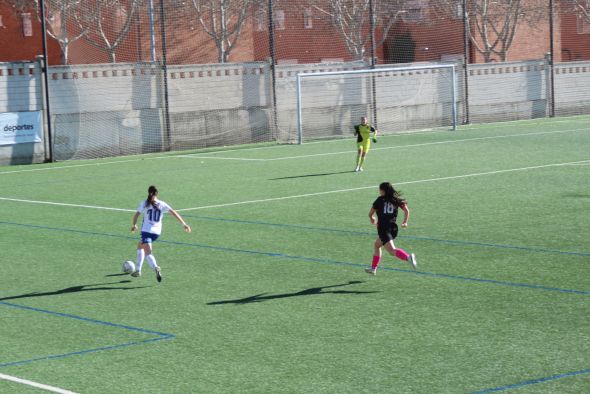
point(153, 212)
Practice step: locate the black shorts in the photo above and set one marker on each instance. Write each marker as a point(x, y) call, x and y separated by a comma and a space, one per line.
point(387, 232)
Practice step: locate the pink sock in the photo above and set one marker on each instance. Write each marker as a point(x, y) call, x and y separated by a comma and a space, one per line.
point(402, 254)
point(375, 263)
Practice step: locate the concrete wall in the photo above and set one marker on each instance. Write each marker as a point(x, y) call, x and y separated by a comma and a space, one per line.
point(328, 114)
point(221, 104)
point(119, 109)
point(508, 91)
point(572, 88)
point(21, 91)
point(106, 110)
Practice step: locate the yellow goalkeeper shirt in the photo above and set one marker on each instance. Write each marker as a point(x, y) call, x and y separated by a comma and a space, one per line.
point(363, 132)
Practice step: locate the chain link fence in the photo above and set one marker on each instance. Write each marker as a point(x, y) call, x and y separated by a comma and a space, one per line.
point(136, 76)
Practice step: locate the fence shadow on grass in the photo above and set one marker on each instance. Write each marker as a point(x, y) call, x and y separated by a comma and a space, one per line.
point(577, 195)
point(76, 289)
point(307, 292)
point(310, 175)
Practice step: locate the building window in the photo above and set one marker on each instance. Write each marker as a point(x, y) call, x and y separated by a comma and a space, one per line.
point(27, 24)
point(458, 14)
point(583, 25)
point(415, 11)
point(119, 18)
point(279, 19)
point(260, 20)
point(307, 18)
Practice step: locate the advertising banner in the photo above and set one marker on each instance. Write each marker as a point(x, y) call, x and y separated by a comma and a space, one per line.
point(20, 127)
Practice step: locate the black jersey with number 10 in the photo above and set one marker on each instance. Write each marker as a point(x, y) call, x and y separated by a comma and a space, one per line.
point(386, 211)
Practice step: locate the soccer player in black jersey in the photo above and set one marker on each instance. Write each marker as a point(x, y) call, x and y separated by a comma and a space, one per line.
point(386, 207)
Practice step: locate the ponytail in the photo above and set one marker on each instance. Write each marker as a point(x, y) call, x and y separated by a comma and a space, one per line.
point(151, 198)
point(391, 195)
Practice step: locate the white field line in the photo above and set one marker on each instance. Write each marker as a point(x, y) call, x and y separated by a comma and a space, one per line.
point(348, 152)
point(471, 127)
point(35, 384)
point(374, 186)
point(76, 166)
point(221, 158)
point(62, 204)
point(579, 162)
point(195, 155)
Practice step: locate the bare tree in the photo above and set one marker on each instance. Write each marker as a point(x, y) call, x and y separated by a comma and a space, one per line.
point(352, 19)
point(59, 17)
point(223, 21)
point(492, 24)
point(106, 23)
point(581, 7)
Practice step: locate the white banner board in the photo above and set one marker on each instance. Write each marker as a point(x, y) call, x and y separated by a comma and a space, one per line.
point(20, 127)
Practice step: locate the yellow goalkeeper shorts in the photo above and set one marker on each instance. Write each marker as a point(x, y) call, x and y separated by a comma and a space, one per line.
point(364, 146)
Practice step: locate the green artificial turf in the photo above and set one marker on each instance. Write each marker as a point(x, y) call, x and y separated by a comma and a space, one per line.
point(268, 293)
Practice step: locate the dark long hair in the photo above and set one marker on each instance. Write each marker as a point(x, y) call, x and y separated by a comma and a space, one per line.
point(151, 198)
point(391, 195)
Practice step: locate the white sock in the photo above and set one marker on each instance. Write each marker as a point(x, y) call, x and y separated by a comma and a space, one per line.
point(140, 257)
point(151, 261)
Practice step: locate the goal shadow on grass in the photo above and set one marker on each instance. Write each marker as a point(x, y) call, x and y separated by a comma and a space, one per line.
point(76, 289)
point(307, 292)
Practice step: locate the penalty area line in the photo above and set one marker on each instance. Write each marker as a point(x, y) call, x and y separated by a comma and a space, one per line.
point(387, 148)
point(35, 384)
point(446, 178)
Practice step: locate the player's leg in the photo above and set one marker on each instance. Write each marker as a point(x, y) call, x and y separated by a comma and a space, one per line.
point(365, 150)
point(141, 253)
point(151, 259)
point(376, 257)
point(358, 157)
point(400, 253)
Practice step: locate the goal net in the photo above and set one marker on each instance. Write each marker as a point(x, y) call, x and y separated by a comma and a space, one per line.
point(395, 100)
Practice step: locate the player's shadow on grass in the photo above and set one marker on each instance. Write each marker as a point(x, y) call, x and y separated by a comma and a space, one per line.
point(307, 292)
point(310, 175)
point(75, 289)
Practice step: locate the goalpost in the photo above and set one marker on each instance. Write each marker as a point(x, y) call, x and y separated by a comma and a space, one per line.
point(394, 99)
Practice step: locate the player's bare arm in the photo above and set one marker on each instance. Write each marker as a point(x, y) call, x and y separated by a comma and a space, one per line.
point(406, 215)
point(134, 222)
point(187, 228)
point(372, 216)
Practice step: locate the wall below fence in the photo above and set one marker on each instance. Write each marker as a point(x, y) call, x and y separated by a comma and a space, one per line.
point(21, 91)
point(508, 91)
point(121, 109)
point(572, 89)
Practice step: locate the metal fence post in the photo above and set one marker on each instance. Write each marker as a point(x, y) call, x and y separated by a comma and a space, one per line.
point(165, 72)
point(273, 80)
point(45, 76)
point(551, 63)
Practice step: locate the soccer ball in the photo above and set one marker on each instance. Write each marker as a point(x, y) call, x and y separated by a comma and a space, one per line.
point(128, 267)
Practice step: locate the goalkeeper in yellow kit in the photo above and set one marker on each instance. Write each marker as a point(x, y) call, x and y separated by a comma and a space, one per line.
point(363, 132)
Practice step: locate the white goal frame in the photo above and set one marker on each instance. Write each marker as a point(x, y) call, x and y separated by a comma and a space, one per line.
point(302, 75)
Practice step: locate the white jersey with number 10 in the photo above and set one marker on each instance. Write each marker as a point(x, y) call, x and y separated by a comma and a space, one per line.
point(152, 217)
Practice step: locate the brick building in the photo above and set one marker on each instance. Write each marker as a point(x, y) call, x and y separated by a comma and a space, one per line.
point(575, 37)
point(303, 34)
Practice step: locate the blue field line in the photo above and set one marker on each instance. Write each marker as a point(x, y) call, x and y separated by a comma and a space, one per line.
point(86, 319)
point(533, 381)
point(411, 271)
point(160, 335)
point(312, 259)
point(413, 237)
